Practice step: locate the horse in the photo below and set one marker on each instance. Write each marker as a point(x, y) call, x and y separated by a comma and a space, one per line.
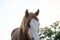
point(29, 27)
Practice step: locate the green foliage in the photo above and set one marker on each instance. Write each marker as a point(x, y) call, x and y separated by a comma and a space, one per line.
point(48, 32)
point(55, 24)
point(57, 37)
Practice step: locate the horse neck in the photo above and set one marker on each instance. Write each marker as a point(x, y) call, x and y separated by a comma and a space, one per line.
point(25, 35)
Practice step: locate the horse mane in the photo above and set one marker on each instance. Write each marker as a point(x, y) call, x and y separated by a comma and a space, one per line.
point(24, 29)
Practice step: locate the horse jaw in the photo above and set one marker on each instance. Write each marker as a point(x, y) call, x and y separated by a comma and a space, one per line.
point(33, 31)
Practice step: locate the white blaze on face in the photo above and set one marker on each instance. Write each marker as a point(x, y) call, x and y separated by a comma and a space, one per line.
point(33, 31)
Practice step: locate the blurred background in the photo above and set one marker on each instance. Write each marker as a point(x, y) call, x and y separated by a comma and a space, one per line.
point(12, 12)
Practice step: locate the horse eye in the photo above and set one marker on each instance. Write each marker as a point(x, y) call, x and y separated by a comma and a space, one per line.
point(29, 25)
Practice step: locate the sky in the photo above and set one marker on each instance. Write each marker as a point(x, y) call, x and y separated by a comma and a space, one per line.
point(12, 12)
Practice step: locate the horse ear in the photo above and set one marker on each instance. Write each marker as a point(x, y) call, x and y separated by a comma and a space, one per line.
point(26, 13)
point(37, 12)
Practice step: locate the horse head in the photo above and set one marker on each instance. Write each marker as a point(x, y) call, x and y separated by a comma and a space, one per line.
point(30, 24)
